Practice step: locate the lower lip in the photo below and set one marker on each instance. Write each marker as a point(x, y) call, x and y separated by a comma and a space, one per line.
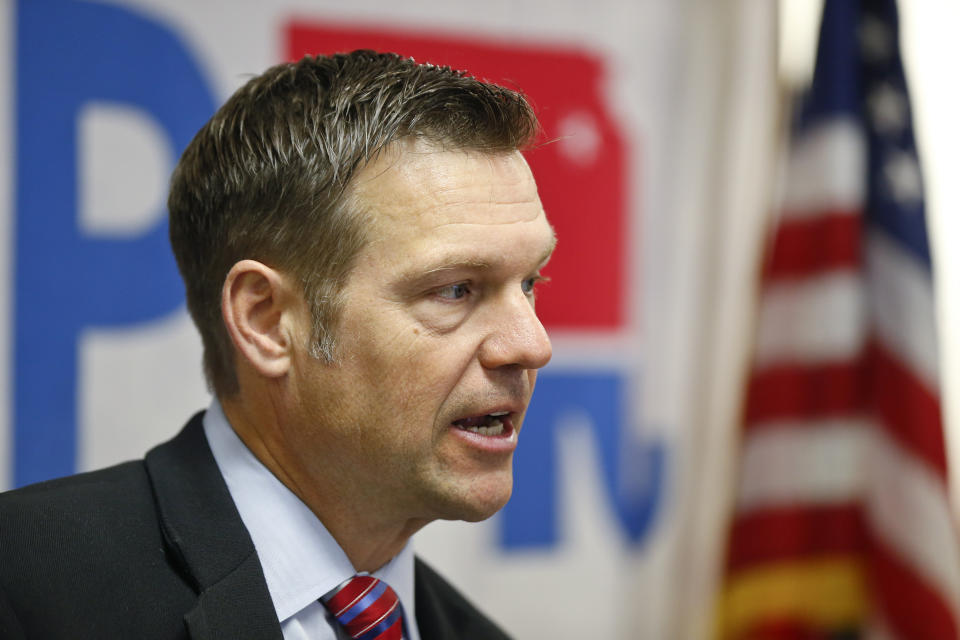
point(505, 442)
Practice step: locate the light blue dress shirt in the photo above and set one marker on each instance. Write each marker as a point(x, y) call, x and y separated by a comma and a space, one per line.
point(301, 561)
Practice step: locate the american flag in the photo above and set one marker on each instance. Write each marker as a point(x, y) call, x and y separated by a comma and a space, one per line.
point(842, 526)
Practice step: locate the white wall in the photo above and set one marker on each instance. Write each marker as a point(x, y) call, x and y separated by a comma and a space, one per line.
point(931, 50)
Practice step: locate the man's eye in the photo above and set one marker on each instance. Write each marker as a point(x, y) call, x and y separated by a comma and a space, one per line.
point(454, 291)
point(528, 285)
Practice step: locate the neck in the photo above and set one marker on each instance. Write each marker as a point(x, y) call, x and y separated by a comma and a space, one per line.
point(369, 540)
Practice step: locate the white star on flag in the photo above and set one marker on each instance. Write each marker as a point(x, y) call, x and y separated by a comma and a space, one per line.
point(888, 109)
point(901, 174)
point(875, 40)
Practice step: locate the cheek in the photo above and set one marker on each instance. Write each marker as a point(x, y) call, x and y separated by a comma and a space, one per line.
point(400, 367)
point(392, 378)
point(445, 362)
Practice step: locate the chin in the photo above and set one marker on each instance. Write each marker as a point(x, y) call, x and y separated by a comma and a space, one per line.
point(477, 501)
point(478, 513)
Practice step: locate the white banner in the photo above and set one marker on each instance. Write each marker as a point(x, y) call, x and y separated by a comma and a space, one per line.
point(99, 361)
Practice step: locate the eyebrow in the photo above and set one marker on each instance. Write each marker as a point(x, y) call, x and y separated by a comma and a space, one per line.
point(457, 263)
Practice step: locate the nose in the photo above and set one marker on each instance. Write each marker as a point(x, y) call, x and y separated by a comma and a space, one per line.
point(516, 338)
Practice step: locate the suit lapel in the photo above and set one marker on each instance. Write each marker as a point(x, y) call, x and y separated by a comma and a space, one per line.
point(444, 614)
point(206, 537)
point(432, 618)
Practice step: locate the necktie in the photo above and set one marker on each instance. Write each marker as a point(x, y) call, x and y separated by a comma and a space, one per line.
point(367, 608)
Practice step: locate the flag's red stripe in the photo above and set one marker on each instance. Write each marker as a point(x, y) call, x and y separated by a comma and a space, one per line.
point(910, 605)
point(794, 532)
point(910, 411)
point(911, 608)
point(805, 391)
point(803, 247)
point(876, 384)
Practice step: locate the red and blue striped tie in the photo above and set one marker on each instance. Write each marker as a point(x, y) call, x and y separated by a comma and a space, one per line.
point(367, 608)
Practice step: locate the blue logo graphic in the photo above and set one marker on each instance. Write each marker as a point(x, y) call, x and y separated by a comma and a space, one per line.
point(633, 470)
point(69, 54)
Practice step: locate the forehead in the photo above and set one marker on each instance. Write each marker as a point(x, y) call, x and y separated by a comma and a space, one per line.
point(417, 184)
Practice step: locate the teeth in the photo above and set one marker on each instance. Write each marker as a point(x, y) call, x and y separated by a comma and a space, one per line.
point(495, 428)
point(497, 414)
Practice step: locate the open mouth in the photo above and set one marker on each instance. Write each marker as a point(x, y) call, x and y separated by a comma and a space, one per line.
point(491, 424)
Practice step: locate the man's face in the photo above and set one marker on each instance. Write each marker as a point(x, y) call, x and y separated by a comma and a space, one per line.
point(438, 342)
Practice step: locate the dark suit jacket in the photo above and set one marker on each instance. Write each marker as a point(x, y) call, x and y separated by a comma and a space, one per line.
point(156, 549)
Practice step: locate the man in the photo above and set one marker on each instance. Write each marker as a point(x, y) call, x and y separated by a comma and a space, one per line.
point(360, 240)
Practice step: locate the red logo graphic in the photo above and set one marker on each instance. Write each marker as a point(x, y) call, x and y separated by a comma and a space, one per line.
point(581, 175)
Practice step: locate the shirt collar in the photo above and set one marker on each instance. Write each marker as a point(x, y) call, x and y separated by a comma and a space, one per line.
point(301, 561)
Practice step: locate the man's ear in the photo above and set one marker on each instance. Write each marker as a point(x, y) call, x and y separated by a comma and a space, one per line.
point(259, 305)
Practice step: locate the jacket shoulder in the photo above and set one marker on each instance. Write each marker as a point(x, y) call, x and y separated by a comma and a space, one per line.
point(443, 612)
point(87, 551)
point(85, 503)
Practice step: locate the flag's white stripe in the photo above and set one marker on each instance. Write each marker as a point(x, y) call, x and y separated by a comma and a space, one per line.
point(793, 462)
point(901, 300)
point(826, 169)
point(813, 320)
point(909, 509)
point(837, 461)
point(824, 318)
